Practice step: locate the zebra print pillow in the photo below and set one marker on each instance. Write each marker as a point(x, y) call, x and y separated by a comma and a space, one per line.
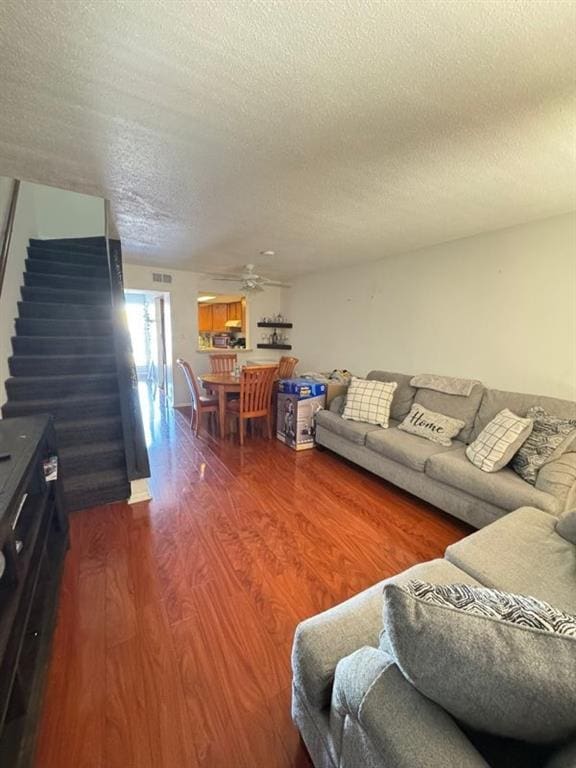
point(491, 603)
point(498, 662)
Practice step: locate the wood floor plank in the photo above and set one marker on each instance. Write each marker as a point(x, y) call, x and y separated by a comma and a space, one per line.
point(176, 618)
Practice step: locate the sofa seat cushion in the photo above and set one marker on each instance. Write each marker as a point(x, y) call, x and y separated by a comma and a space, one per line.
point(410, 450)
point(355, 431)
point(503, 488)
point(522, 553)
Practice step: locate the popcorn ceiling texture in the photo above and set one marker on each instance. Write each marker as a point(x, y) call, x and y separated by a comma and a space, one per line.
point(332, 131)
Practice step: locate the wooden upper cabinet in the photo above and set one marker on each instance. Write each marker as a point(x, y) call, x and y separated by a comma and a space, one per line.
point(204, 318)
point(213, 317)
point(235, 310)
point(219, 317)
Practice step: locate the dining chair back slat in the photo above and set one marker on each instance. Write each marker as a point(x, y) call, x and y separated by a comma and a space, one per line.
point(200, 404)
point(256, 384)
point(223, 362)
point(287, 366)
point(191, 380)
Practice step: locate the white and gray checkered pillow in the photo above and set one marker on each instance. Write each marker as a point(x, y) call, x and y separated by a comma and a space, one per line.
point(499, 441)
point(369, 401)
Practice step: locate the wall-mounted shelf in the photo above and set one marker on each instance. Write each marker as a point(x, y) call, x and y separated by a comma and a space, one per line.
point(274, 325)
point(274, 346)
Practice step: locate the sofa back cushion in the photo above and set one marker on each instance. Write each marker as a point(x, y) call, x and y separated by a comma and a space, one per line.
point(456, 406)
point(499, 662)
point(404, 394)
point(495, 400)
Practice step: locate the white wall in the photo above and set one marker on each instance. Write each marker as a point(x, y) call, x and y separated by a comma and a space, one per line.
point(60, 213)
point(184, 314)
point(500, 307)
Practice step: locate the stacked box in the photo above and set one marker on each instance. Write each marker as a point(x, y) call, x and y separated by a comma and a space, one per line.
point(298, 402)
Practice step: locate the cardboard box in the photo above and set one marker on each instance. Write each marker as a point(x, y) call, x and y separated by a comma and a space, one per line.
point(296, 412)
point(304, 388)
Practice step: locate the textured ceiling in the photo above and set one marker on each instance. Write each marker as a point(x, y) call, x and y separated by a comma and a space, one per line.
point(331, 131)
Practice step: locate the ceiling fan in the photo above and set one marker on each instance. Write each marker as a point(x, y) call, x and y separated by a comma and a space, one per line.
point(251, 281)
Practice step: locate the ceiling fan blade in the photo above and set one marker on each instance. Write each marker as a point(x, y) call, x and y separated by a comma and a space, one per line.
point(234, 279)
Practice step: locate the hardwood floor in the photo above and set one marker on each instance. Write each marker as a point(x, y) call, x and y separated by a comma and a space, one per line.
point(176, 617)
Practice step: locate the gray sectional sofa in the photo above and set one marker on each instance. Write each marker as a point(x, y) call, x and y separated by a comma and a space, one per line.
point(442, 475)
point(352, 704)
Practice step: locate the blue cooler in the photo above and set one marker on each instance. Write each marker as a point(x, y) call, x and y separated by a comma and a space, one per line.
point(298, 402)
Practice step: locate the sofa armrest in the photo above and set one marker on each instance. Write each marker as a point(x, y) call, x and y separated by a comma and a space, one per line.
point(558, 478)
point(337, 404)
point(321, 641)
point(406, 729)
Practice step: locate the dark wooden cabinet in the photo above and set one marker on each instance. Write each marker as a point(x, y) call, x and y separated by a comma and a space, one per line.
point(33, 543)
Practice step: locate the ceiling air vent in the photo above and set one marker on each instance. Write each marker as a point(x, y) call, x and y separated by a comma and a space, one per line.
point(159, 277)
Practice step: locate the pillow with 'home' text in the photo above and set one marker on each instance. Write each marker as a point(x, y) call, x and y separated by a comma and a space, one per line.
point(433, 426)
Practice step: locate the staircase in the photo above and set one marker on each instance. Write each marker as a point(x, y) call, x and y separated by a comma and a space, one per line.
point(64, 363)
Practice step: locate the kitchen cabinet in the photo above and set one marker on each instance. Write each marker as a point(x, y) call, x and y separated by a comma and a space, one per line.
point(235, 310)
point(219, 317)
point(212, 318)
point(204, 318)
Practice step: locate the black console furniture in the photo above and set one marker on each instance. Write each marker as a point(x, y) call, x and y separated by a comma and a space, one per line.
point(33, 543)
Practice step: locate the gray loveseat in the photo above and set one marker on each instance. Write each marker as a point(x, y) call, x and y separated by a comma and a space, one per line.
point(353, 706)
point(442, 475)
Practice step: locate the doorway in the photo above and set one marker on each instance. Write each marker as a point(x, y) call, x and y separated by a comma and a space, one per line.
point(148, 314)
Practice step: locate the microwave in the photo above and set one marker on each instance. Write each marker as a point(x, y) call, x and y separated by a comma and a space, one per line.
point(221, 340)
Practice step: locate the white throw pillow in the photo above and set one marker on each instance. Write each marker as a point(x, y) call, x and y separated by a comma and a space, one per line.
point(431, 425)
point(499, 441)
point(369, 401)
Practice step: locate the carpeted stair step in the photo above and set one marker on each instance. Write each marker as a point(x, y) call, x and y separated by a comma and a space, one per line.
point(32, 326)
point(82, 244)
point(54, 311)
point(96, 457)
point(64, 296)
point(68, 408)
point(79, 432)
point(67, 269)
point(94, 488)
point(48, 387)
point(60, 365)
point(63, 256)
point(39, 280)
point(49, 346)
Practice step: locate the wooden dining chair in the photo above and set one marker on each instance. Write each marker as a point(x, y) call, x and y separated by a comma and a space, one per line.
point(201, 404)
point(223, 362)
point(255, 401)
point(286, 367)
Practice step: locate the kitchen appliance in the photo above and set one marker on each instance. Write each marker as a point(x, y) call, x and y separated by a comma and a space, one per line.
point(221, 340)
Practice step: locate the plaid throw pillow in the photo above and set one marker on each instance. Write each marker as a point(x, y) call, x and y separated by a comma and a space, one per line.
point(499, 440)
point(369, 401)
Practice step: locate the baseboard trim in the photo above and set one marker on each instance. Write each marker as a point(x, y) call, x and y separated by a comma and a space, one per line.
point(139, 491)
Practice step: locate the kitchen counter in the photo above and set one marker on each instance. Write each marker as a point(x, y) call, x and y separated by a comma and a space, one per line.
point(224, 349)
